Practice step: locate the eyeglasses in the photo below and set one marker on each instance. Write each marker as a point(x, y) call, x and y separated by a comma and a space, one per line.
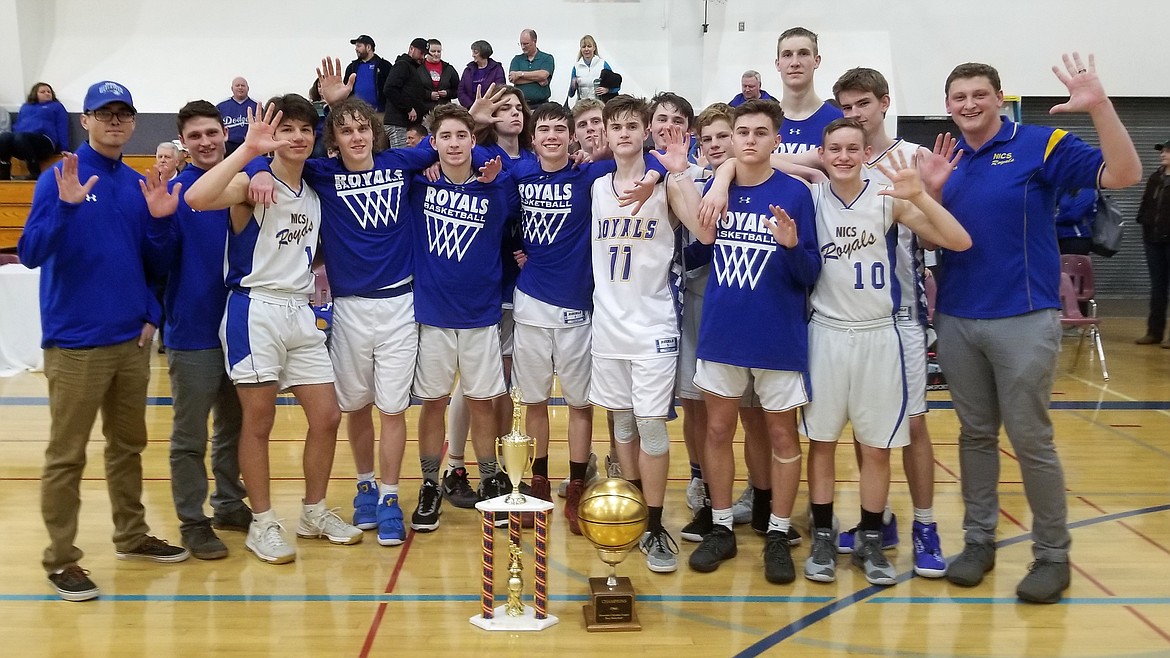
point(105, 116)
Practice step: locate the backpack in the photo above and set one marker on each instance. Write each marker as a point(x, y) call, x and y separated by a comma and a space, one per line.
point(1108, 228)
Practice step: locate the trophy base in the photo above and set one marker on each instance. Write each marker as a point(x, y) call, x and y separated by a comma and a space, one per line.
point(616, 604)
point(525, 622)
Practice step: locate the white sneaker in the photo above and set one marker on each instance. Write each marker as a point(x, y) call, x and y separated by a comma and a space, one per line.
point(742, 508)
point(320, 521)
point(266, 539)
point(695, 494)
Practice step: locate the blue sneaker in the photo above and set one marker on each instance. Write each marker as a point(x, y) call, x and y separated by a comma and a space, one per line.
point(845, 540)
point(365, 506)
point(391, 528)
point(928, 557)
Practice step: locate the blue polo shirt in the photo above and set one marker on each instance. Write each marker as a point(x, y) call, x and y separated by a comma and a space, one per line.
point(1004, 194)
point(534, 93)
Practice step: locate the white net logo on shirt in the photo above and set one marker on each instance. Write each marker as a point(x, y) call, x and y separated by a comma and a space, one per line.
point(542, 225)
point(449, 237)
point(742, 263)
point(372, 197)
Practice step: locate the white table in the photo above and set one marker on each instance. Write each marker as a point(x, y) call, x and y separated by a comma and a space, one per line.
point(20, 320)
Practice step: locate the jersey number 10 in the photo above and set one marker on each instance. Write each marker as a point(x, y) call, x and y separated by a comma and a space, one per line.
point(877, 276)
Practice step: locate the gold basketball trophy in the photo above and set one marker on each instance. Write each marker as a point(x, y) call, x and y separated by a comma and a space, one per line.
point(515, 453)
point(613, 517)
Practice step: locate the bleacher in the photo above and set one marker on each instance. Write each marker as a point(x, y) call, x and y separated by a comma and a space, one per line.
point(16, 197)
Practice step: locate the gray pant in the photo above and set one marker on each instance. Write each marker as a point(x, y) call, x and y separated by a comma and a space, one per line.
point(397, 136)
point(1002, 371)
point(200, 386)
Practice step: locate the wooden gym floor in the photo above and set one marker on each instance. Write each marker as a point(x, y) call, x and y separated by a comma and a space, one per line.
point(416, 599)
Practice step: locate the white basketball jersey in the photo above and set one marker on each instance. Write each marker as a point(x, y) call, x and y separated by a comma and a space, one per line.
point(275, 250)
point(909, 267)
point(857, 242)
point(634, 315)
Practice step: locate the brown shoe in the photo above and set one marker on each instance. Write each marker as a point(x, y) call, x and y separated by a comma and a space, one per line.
point(1148, 339)
point(572, 502)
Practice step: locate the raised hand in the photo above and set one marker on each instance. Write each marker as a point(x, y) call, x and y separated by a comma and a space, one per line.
point(677, 144)
point(159, 201)
point(907, 182)
point(935, 166)
point(782, 226)
point(1084, 87)
point(486, 103)
point(713, 207)
point(261, 136)
point(69, 187)
point(262, 189)
point(333, 89)
point(489, 170)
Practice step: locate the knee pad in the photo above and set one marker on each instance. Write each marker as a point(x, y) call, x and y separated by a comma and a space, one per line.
point(655, 441)
point(623, 426)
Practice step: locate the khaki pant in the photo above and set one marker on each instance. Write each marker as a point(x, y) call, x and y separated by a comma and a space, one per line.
point(112, 379)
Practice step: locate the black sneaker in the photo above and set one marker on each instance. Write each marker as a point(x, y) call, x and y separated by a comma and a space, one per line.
point(699, 526)
point(1045, 582)
point(494, 486)
point(778, 566)
point(717, 546)
point(458, 490)
point(155, 550)
point(73, 584)
point(968, 569)
point(430, 506)
point(203, 543)
point(237, 520)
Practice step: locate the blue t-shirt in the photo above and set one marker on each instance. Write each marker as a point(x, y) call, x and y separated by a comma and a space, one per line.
point(1004, 195)
point(807, 134)
point(755, 309)
point(457, 237)
point(366, 87)
point(235, 117)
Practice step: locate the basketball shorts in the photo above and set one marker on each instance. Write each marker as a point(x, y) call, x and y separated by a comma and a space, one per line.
point(645, 386)
point(273, 337)
point(778, 390)
point(472, 353)
point(374, 351)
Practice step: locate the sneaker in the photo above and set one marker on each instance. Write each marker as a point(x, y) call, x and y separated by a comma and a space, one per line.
point(542, 489)
point(319, 521)
point(872, 562)
point(760, 523)
point(821, 564)
point(660, 550)
point(203, 544)
point(741, 510)
point(1148, 339)
point(238, 520)
point(494, 487)
point(430, 506)
point(365, 506)
point(967, 570)
point(572, 503)
point(391, 529)
point(590, 476)
point(699, 526)
point(73, 584)
point(717, 546)
point(1045, 582)
point(266, 540)
point(457, 489)
point(155, 550)
point(928, 558)
point(778, 566)
point(613, 469)
point(847, 539)
point(696, 494)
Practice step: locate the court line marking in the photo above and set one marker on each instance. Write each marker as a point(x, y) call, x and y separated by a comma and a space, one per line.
point(808, 620)
point(376, 622)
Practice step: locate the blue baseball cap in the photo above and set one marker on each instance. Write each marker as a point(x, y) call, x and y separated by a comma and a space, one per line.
point(105, 92)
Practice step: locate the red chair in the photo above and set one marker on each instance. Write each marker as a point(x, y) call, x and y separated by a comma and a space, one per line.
point(1080, 269)
point(1071, 316)
point(321, 295)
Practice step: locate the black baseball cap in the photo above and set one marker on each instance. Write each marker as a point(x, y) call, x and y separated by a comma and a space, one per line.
point(419, 43)
point(365, 38)
point(1162, 145)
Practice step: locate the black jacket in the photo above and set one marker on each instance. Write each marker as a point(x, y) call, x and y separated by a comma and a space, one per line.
point(404, 92)
point(381, 72)
point(448, 79)
point(1154, 211)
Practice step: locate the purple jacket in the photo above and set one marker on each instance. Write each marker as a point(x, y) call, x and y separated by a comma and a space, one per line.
point(473, 76)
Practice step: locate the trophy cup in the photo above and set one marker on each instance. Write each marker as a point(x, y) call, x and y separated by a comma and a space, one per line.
point(515, 453)
point(612, 517)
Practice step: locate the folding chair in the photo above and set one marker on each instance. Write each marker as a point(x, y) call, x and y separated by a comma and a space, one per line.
point(1071, 316)
point(1080, 269)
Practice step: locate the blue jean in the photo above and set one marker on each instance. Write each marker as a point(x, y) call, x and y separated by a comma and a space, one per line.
point(1158, 263)
point(200, 388)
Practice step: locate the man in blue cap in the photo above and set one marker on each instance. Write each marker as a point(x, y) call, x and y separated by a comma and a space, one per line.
point(87, 233)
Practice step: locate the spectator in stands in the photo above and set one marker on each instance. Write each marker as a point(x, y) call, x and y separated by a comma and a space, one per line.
point(416, 133)
point(1154, 217)
point(532, 70)
point(41, 129)
point(87, 231)
point(586, 73)
point(371, 71)
point(404, 93)
point(235, 113)
point(480, 73)
point(438, 77)
point(168, 160)
point(749, 84)
point(1075, 211)
point(319, 150)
